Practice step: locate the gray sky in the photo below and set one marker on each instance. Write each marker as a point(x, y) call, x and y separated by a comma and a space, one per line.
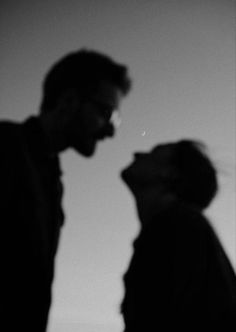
point(182, 59)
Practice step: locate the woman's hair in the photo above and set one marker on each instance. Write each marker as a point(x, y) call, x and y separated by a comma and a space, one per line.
point(195, 179)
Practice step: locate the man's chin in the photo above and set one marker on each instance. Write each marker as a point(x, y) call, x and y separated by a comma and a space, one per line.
point(87, 150)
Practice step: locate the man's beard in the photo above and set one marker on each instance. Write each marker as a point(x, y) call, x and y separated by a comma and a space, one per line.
point(82, 145)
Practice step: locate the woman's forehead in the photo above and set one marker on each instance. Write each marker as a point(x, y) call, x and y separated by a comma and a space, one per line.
point(162, 151)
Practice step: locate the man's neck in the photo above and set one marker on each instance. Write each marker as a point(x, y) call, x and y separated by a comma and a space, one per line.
point(52, 133)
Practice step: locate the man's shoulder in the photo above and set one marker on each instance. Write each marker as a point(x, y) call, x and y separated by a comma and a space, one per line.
point(10, 137)
point(9, 128)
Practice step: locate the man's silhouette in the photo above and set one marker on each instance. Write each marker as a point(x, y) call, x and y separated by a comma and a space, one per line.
point(179, 277)
point(81, 93)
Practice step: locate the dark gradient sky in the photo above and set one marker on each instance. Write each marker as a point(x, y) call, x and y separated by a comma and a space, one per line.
point(182, 60)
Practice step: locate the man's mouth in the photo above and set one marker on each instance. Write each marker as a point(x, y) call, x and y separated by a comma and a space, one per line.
point(100, 136)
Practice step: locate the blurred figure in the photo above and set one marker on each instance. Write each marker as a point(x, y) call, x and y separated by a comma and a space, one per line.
point(179, 277)
point(81, 94)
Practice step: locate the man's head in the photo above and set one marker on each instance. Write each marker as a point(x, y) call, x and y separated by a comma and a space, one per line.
point(84, 88)
point(181, 169)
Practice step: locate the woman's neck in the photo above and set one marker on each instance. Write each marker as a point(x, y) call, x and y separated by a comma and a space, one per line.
point(149, 206)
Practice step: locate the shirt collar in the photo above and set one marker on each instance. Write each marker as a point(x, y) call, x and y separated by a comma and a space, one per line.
point(36, 139)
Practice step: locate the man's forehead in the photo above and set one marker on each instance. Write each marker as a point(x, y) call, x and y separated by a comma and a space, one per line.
point(108, 93)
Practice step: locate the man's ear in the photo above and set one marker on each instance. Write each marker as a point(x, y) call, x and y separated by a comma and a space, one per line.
point(69, 101)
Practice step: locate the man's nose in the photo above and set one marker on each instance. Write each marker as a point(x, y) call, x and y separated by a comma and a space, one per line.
point(110, 130)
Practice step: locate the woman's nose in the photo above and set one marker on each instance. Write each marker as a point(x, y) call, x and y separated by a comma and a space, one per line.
point(139, 154)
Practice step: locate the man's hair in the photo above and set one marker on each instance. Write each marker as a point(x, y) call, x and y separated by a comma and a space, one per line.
point(195, 179)
point(83, 70)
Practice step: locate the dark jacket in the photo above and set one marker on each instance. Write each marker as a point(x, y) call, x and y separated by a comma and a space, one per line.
point(179, 278)
point(31, 218)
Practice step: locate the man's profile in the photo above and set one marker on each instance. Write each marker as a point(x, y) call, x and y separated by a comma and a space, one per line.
point(81, 92)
